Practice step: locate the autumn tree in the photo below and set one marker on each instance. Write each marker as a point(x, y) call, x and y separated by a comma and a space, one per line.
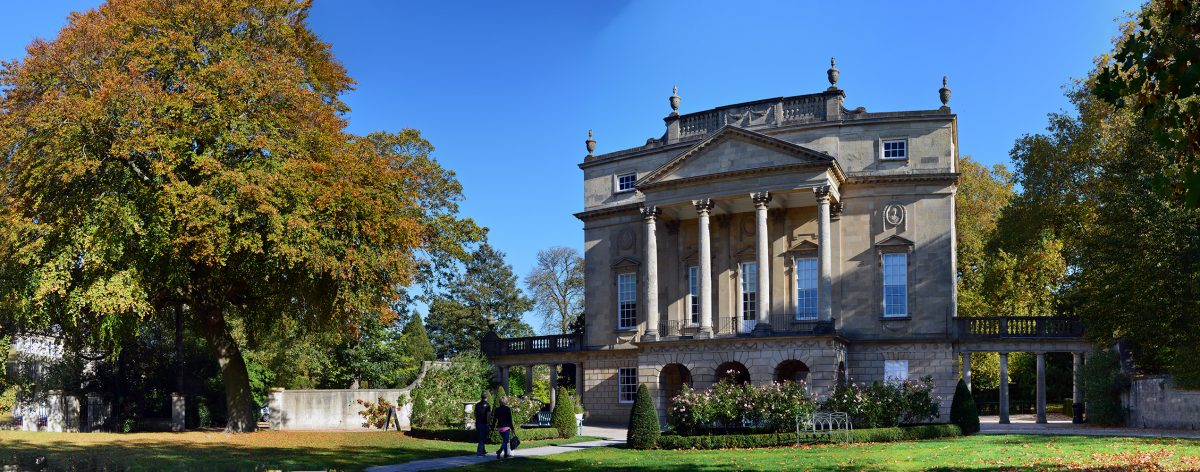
point(556, 282)
point(160, 152)
point(982, 193)
point(486, 292)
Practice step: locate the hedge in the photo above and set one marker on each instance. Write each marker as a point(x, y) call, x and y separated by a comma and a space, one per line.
point(470, 436)
point(747, 441)
point(643, 429)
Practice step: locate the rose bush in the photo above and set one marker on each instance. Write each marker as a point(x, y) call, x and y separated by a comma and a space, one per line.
point(883, 405)
point(730, 405)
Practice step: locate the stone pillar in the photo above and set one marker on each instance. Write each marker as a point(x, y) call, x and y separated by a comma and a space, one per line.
point(504, 379)
point(1076, 391)
point(650, 215)
point(763, 252)
point(1003, 388)
point(179, 411)
point(824, 256)
point(579, 381)
point(275, 409)
point(529, 381)
point(966, 369)
point(1041, 387)
point(703, 208)
point(553, 385)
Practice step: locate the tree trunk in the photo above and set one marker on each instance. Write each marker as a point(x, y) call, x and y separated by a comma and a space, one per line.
point(238, 401)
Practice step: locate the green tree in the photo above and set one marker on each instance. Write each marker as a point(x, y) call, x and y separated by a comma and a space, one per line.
point(962, 410)
point(417, 349)
point(556, 282)
point(643, 421)
point(195, 152)
point(563, 417)
point(982, 193)
point(486, 292)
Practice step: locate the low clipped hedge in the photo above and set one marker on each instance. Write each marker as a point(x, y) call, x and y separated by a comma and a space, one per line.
point(747, 441)
point(470, 436)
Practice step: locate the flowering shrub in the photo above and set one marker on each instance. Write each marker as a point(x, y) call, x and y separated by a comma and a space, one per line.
point(375, 414)
point(883, 405)
point(729, 405)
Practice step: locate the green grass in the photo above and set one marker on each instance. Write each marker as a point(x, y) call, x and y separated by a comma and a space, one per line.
point(286, 450)
point(1013, 452)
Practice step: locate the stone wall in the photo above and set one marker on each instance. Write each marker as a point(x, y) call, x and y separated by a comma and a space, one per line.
point(601, 390)
point(1155, 402)
point(933, 359)
point(329, 409)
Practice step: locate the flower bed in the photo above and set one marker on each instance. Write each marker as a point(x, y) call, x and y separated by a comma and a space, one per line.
point(885, 405)
point(729, 406)
point(745, 441)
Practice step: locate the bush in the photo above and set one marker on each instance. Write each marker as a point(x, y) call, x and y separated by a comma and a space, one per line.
point(962, 410)
point(563, 418)
point(375, 414)
point(882, 405)
point(1102, 385)
point(747, 441)
point(438, 400)
point(643, 421)
point(734, 406)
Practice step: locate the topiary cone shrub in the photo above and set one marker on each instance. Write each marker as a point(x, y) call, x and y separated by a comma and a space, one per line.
point(563, 417)
point(963, 411)
point(643, 421)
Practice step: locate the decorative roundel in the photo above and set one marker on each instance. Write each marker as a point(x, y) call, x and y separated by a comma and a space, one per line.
point(893, 214)
point(626, 239)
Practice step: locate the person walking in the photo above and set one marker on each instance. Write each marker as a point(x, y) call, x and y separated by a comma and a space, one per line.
point(504, 425)
point(483, 412)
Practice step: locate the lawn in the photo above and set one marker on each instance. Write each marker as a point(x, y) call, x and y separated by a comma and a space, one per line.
point(965, 453)
point(286, 450)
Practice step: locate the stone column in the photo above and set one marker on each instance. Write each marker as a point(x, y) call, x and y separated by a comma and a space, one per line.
point(179, 411)
point(579, 381)
point(553, 385)
point(504, 379)
point(763, 252)
point(703, 208)
point(1076, 391)
point(966, 369)
point(1041, 387)
point(650, 214)
point(528, 381)
point(824, 255)
point(1003, 388)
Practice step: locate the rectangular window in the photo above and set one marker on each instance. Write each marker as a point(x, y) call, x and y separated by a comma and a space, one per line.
point(694, 294)
point(749, 290)
point(895, 371)
point(806, 288)
point(895, 149)
point(627, 300)
point(627, 384)
point(625, 181)
point(895, 284)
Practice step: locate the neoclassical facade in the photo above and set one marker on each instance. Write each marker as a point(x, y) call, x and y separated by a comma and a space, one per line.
point(782, 239)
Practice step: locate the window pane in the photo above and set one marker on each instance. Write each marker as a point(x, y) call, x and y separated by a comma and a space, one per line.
point(895, 284)
point(694, 293)
point(626, 300)
point(749, 290)
point(627, 384)
point(895, 370)
point(806, 288)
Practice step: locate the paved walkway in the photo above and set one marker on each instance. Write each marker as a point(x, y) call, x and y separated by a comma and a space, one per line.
point(1061, 425)
point(612, 435)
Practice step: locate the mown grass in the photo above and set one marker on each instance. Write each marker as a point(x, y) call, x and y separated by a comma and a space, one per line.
point(266, 450)
point(1010, 453)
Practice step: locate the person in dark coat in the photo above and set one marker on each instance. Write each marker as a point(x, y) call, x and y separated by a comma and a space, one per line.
point(504, 425)
point(483, 412)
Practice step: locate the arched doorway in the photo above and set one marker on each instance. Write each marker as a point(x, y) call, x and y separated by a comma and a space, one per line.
point(671, 381)
point(791, 371)
point(733, 371)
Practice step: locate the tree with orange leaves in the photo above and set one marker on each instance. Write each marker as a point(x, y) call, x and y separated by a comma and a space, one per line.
point(161, 153)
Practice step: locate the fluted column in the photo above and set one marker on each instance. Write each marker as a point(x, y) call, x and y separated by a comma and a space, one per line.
point(1003, 388)
point(966, 368)
point(1041, 387)
point(762, 250)
point(824, 255)
point(650, 215)
point(703, 208)
point(1076, 391)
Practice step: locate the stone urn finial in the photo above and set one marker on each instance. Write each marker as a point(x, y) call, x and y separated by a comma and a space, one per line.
point(832, 73)
point(674, 99)
point(944, 92)
point(591, 143)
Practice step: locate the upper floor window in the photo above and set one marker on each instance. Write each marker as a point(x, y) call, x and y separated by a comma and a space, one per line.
point(625, 181)
point(694, 294)
point(895, 371)
point(895, 284)
point(627, 300)
point(806, 288)
point(895, 149)
point(626, 384)
point(749, 291)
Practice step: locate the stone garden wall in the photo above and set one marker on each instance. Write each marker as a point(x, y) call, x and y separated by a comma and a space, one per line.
point(335, 409)
point(1154, 402)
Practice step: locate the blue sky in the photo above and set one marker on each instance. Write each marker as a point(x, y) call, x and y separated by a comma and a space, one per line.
point(506, 91)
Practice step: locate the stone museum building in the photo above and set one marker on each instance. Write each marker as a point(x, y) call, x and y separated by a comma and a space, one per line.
point(783, 239)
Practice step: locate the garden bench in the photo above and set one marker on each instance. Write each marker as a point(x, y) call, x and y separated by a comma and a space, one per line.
point(543, 418)
point(824, 423)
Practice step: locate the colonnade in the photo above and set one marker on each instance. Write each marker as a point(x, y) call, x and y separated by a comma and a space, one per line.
point(1076, 392)
point(553, 379)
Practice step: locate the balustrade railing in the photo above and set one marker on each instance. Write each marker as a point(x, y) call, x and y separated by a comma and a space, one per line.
point(533, 344)
point(1019, 327)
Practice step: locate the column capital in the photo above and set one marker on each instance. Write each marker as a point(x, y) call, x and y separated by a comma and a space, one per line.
point(822, 193)
point(761, 199)
point(650, 212)
point(703, 206)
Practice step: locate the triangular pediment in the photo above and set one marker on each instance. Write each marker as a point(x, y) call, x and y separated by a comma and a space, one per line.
point(803, 245)
point(732, 150)
point(626, 263)
point(894, 241)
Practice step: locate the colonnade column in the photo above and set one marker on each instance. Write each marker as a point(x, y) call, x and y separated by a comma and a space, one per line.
point(553, 385)
point(824, 255)
point(1041, 387)
point(579, 381)
point(762, 251)
point(966, 369)
point(1076, 391)
point(528, 381)
point(650, 215)
point(703, 208)
point(1003, 388)
point(504, 379)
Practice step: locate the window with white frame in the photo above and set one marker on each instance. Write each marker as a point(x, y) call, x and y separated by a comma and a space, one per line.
point(806, 288)
point(749, 290)
point(694, 294)
point(627, 384)
point(627, 300)
point(625, 181)
point(895, 284)
point(895, 149)
point(895, 371)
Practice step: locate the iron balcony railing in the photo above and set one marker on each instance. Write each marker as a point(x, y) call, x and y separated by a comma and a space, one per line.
point(495, 346)
point(1019, 327)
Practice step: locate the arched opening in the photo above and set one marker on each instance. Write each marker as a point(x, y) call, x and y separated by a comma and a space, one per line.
point(733, 371)
point(791, 371)
point(671, 382)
